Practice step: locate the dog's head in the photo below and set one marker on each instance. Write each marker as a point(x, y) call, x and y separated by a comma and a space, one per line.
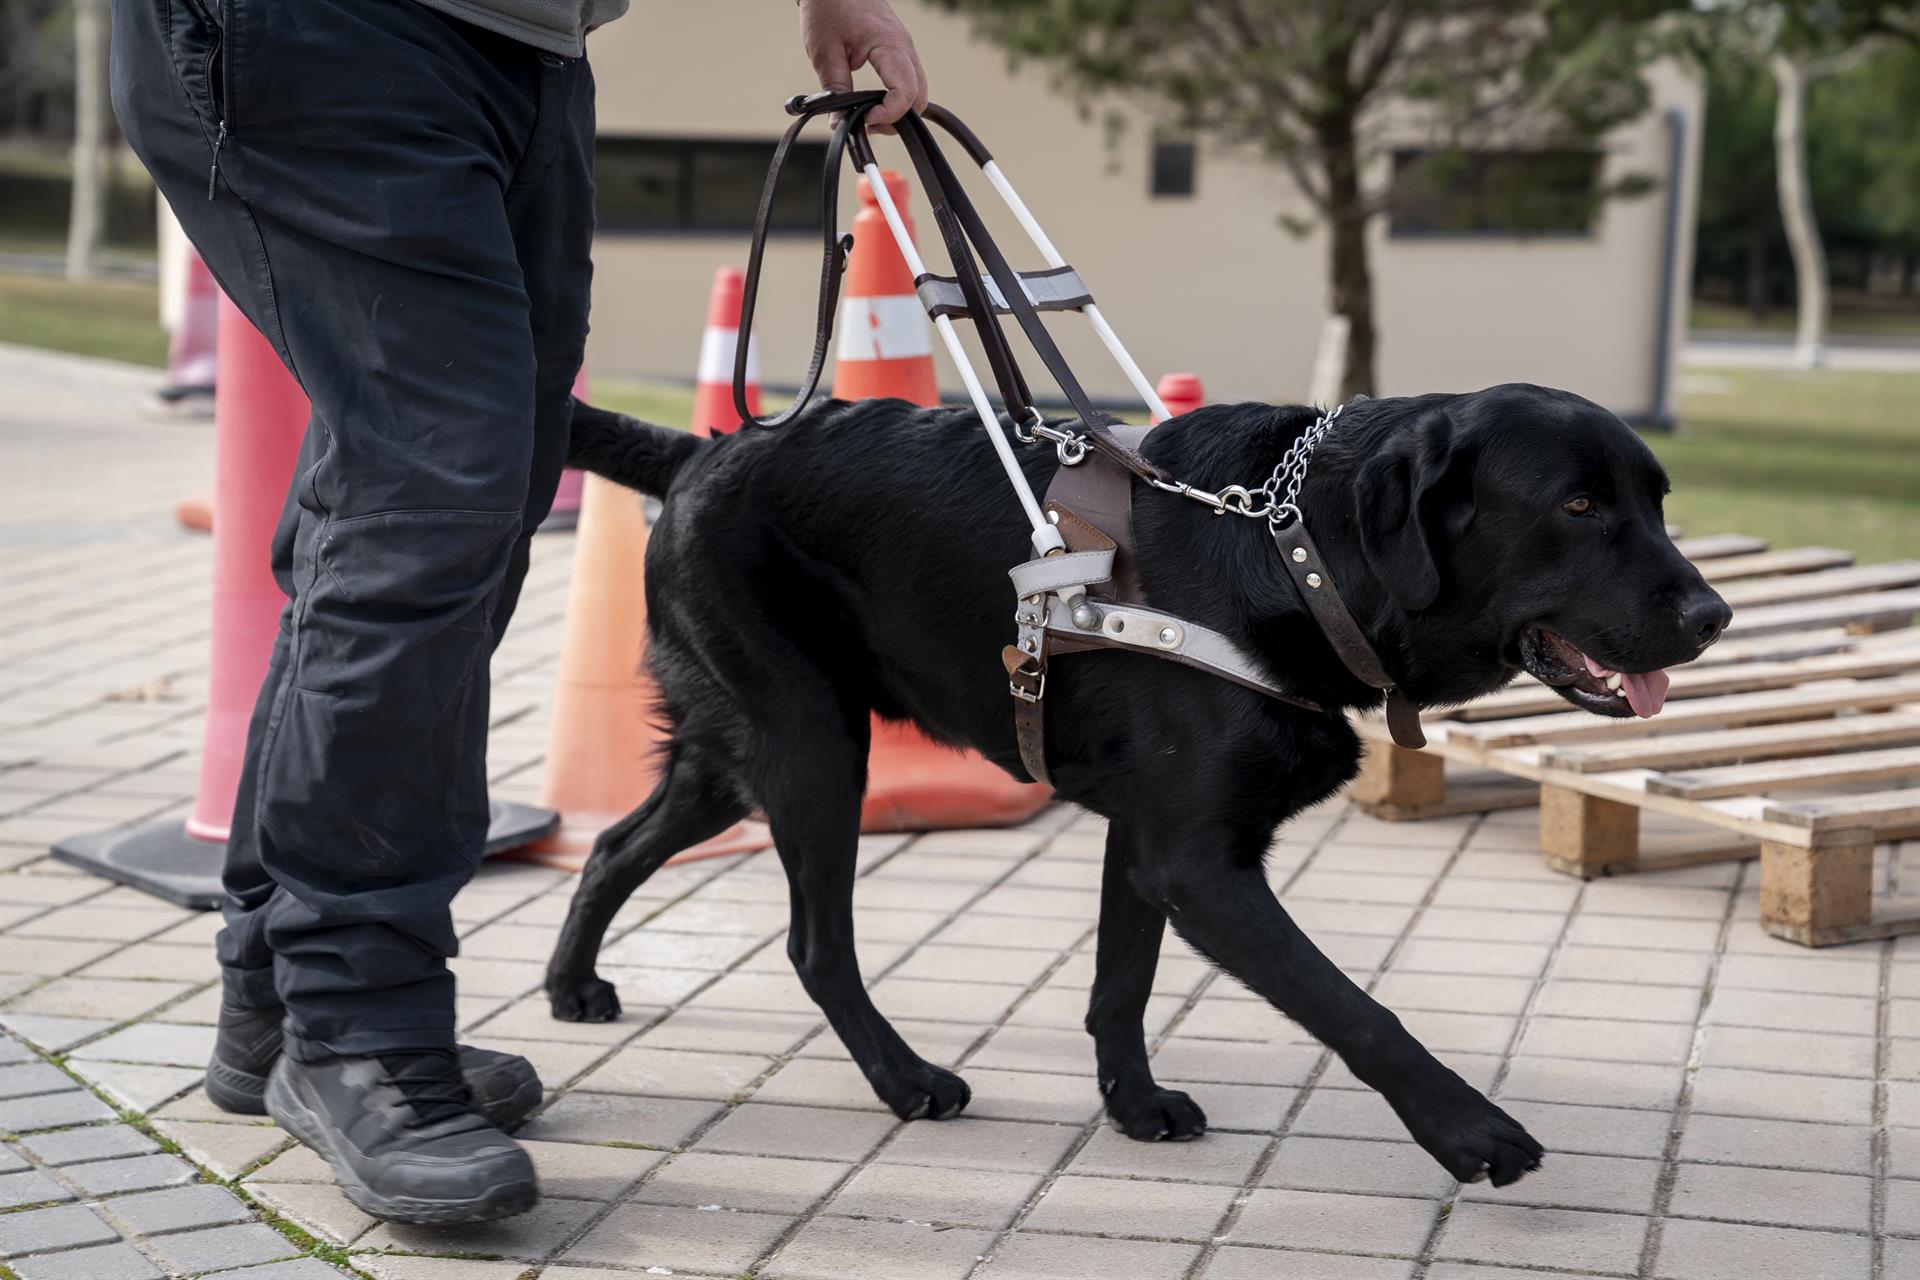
point(1521, 527)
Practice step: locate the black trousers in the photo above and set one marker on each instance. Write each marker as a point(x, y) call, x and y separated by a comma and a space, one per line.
point(403, 204)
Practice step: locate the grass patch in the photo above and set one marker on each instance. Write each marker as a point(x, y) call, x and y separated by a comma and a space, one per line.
point(1799, 457)
point(1852, 316)
point(114, 319)
point(669, 406)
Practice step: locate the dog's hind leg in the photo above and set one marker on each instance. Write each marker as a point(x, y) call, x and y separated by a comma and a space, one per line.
point(1128, 953)
point(693, 801)
point(810, 788)
point(1212, 887)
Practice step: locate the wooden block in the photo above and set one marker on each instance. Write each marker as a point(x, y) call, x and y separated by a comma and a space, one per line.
point(1768, 563)
point(1397, 782)
point(1817, 895)
point(1714, 545)
point(1878, 809)
point(1585, 835)
point(1861, 614)
point(1737, 746)
point(1850, 768)
point(1822, 585)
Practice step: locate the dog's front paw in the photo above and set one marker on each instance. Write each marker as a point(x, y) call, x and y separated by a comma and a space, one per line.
point(1471, 1138)
point(1153, 1114)
point(587, 999)
point(922, 1092)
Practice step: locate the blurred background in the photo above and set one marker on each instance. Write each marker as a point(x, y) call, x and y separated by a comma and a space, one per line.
point(1279, 222)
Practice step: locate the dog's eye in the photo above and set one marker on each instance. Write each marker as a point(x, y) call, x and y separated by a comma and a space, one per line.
point(1580, 506)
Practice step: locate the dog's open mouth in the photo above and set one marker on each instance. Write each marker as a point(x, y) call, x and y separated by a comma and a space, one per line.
point(1554, 660)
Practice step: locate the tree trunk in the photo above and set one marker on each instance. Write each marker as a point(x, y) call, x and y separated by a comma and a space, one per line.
point(1796, 209)
point(1349, 280)
point(1757, 287)
point(86, 214)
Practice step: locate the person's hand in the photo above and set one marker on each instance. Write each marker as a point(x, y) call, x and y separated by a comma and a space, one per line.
point(841, 36)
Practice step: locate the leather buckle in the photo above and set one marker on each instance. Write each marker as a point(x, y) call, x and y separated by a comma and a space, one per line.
point(1037, 692)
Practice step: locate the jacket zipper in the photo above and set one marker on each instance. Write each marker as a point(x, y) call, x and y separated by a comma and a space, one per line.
point(213, 170)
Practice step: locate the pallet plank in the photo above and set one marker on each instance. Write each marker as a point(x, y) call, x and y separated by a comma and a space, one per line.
point(1712, 546)
point(1804, 702)
point(1879, 611)
point(1696, 682)
point(1879, 810)
point(1740, 746)
point(1857, 767)
point(1766, 563)
point(1822, 585)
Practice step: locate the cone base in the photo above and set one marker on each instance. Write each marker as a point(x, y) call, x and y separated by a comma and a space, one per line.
point(915, 784)
point(195, 513)
point(163, 860)
point(568, 847)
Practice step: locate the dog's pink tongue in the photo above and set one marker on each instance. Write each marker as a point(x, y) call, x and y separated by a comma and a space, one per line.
point(1646, 692)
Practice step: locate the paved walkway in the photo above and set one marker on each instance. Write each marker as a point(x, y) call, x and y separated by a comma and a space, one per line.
point(1718, 1106)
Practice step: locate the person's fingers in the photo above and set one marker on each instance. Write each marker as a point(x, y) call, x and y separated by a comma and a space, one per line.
point(920, 101)
point(830, 64)
point(900, 73)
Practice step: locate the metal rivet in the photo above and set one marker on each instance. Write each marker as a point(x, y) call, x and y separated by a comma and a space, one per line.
point(1053, 517)
point(1299, 555)
point(1313, 579)
point(1030, 645)
point(1168, 635)
point(1085, 618)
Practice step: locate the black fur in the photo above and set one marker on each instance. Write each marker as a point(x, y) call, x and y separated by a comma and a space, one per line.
point(856, 561)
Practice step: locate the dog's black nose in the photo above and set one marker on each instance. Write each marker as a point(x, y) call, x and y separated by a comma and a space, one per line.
point(1704, 617)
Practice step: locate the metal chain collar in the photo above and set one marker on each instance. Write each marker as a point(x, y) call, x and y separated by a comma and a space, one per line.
point(1278, 500)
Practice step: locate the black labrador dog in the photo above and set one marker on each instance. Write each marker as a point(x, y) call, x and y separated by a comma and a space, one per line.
point(856, 561)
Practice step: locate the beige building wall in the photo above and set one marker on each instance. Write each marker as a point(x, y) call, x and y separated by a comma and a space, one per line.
point(1211, 284)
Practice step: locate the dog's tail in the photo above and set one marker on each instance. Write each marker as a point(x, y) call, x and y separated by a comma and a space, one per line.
point(628, 451)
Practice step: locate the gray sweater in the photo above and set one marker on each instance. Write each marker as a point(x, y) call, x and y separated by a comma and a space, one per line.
point(557, 26)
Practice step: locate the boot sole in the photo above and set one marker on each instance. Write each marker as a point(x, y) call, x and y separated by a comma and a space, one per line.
point(243, 1093)
point(504, 1200)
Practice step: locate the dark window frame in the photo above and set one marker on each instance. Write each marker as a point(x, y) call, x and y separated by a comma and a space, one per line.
point(1476, 218)
point(1173, 169)
point(802, 175)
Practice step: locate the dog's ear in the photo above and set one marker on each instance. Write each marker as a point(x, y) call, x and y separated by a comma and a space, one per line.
point(1393, 504)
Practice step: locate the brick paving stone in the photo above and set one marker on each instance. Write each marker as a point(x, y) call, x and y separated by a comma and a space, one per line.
point(135, 1173)
point(1781, 1096)
point(1815, 975)
point(1255, 1107)
point(1722, 1251)
point(829, 1082)
point(30, 1187)
point(674, 1073)
point(1620, 967)
point(1032, 1095)
point(1484, 994)
point(38, 1230)
point(606, 1117)
point(1121, 1207)
point(757, 1184)
point(1029, 1256)
point(530, 1236)
point(1305, 1163)
point(1568, 998)
point(981, 1144)
point(1637, 1085)
point(1608, 1040)
point(118, 1261)
point(137, 1086)
point(1604, 1131)
point(1782, 1143)
point(227, 1149)
point(51, 1111)
point(954, 1197)
point(178, 1208)
point(1478, 1231)
point(53, 1034)
point(1470, 1271)
point(26, 1079)
point(1334, 1221)
point(1569, 1181)
point(294, 1269)
point(222, 1248)
point(731, 1031)
point(1789, 1197)
point(1349, 1113)
point(158, 1043)
point(576, 1171)
point(1239, 1262)
point(94, 1142)
point(759, 1129)
point(1229, 1063)
point(1765, 1049)
point(115, 999)
point(1903, 1208)
point(850, 1249)
point(407, 1267)
point(1490, 958)
point(319, 1208)
point(647, 1235)
point(1220, 1158)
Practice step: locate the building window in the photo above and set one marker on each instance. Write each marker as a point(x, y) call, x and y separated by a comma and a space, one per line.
point(702, 185)
point(1172, 169)
point(1494, 193)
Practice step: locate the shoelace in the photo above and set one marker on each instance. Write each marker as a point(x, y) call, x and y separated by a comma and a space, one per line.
point(430, 1082)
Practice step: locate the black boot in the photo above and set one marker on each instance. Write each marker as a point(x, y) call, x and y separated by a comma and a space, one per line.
point(505, 1087)
point(402, 1139)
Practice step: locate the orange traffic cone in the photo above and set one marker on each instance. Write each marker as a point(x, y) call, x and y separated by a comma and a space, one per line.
point(713, 409)
point(886, 344)
point(600, 750)
point(1181, 393)
point(886, 349)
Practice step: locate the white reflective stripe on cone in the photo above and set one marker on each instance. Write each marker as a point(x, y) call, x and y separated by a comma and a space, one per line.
point(889, 328)
point(716, 356)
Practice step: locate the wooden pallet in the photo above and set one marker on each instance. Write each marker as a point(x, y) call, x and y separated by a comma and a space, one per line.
point(1796, 739)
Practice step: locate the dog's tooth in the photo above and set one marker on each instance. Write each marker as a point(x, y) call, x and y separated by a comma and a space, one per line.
point(1614, 681)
